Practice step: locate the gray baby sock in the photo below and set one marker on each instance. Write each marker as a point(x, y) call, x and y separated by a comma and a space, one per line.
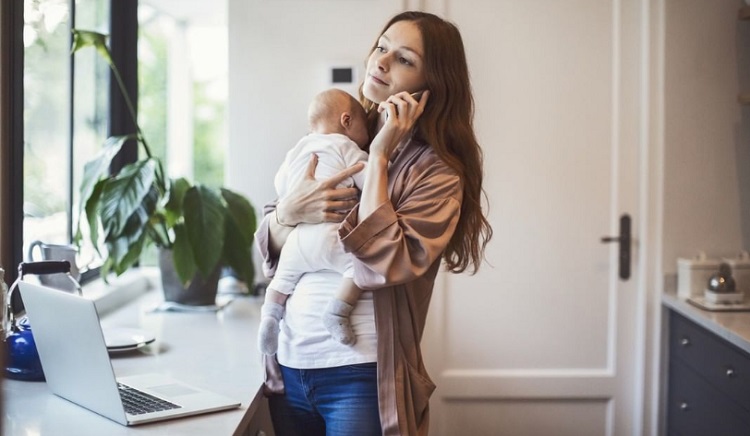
point(268, 331)
point(336, 321)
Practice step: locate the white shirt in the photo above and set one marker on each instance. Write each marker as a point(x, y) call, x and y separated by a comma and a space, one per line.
point(304, 343)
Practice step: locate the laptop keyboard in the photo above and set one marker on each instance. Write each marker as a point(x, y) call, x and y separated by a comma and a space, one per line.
point(138, 402)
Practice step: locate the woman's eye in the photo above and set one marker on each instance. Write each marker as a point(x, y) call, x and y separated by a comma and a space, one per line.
point(404, 61)
point(380, 48)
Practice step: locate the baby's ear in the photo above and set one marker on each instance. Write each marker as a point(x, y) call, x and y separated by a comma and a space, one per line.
point(346, 120)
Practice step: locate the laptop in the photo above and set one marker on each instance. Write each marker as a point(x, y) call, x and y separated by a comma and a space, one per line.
point(76, 365)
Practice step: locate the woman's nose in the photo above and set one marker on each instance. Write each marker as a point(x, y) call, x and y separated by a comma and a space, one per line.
point(382, 63)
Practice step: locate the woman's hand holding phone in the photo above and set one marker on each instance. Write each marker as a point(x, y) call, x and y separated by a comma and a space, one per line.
point(402, 110)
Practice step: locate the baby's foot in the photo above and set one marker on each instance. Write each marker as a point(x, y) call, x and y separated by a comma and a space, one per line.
point(336, 321)
point(268, 330)
point(268, 335)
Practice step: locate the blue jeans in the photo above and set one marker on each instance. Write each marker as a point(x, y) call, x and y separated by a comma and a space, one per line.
point(338, 401)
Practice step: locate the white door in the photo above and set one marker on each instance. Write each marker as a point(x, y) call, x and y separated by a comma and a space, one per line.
point(546, 339)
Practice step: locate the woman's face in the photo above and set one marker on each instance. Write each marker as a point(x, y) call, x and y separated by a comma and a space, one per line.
point(396, 64)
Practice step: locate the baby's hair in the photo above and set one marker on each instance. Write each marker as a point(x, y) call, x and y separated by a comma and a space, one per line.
point(327, 106)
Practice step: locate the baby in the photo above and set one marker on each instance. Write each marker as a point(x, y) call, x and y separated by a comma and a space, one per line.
point(338, 135)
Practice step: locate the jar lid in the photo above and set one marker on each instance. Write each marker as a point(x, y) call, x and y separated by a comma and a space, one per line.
point(700, 261)
point(742, 260)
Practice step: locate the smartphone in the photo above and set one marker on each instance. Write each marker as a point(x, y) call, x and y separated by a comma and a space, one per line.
point(416, 95)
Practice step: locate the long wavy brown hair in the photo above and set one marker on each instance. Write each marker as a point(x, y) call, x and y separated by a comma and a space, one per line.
point(447, 125)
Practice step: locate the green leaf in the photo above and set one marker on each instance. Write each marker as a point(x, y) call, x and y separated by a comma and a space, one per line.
point(142, 216)
point(92, 209)
point(87, 38)
point(123, 195)
point(182, 255)
point(238, 252)
point(125, 251)
point(105, 269)
point(125, 248)
point(204, 223)
point(241, 212)
point(93, 172)
point(158, 231)
point(173, 208)
point(240, 224)
point(98, 167)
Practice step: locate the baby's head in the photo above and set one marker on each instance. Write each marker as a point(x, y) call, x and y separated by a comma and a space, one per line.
point(336, 111)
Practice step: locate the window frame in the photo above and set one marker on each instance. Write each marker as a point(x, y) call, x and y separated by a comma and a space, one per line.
point(124, 47)
point(12, 134)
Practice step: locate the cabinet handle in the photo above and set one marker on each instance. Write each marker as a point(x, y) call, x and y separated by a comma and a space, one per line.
point(684, 342)
point(684, 406)
point(730, 372)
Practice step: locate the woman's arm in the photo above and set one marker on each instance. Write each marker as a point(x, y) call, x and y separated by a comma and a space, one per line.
point(309, 201)
point(401, 112)
point(402, 238)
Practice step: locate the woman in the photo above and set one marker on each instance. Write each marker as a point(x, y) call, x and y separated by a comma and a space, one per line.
point(421, 203)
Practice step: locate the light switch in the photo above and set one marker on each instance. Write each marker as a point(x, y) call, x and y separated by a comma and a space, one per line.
point(342, 75)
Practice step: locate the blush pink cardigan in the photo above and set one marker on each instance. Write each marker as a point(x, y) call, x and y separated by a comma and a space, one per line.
point(397, 252)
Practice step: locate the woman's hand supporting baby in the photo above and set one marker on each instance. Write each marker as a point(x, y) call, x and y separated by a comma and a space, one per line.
point(313, 201)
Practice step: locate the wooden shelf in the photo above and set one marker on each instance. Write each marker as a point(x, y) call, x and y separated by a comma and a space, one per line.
point(744, 13)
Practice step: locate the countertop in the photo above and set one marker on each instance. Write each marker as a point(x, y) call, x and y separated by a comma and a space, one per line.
point(212, 350)
point(732, 326)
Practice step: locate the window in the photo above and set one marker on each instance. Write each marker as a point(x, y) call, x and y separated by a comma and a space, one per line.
point(70, 106)
point(65, 114)
point(183, 81)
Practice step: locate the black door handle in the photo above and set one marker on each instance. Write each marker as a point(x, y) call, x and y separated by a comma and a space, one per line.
point(625, 242)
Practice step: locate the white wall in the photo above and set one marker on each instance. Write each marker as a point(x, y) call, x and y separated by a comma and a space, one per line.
point(706, 132)
point(279, 53)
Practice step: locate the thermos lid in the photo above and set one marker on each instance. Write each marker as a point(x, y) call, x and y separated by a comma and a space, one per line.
point(722, 281)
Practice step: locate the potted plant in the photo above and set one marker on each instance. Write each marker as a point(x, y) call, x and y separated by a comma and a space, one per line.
point(198, 229)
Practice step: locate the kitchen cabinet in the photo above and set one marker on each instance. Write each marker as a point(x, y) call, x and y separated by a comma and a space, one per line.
point(708, 383)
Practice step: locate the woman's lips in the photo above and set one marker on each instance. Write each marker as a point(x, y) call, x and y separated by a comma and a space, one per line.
point(377, 80)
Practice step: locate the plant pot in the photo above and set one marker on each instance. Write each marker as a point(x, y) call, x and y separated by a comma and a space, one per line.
point(200, 292)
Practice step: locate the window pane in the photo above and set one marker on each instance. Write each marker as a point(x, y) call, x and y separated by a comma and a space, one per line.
point(52, 168)
point(91, 113)
point(46, 121)
point(183, 80)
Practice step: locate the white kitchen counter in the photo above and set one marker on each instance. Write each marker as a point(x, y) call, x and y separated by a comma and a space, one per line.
point(215, 351)
point(732, 326)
